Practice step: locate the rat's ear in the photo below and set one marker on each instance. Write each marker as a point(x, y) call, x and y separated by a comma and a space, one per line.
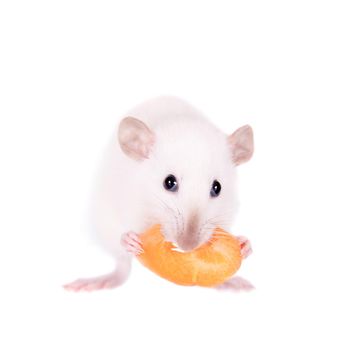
point(135, 138)
point(242, 144)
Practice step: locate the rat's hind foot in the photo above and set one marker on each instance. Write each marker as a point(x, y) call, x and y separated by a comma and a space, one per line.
point(246, 247)
point(91, 284)
point(108, 281)
point(131, 242)
point(236, 284)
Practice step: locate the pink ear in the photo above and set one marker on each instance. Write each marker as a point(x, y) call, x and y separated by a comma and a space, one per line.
point(242, 144)
point(135, 138)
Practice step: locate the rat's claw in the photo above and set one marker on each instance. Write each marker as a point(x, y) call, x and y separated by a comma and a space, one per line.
point(246, 247)
point(132, 243)
point(134, 236)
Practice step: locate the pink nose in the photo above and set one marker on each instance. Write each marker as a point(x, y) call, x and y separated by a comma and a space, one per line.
point(188, 241)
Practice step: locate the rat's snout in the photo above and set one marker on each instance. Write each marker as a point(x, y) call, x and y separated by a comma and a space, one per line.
point(188, 239)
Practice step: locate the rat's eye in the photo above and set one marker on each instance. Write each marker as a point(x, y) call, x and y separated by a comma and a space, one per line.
point(215, 188)
point(170, 183)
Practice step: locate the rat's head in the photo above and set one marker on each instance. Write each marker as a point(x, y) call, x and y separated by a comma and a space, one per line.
point(187, 174)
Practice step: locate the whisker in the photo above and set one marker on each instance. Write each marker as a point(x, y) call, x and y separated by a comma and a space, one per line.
point(175, 215)
point(181, 216)
point(222, 214)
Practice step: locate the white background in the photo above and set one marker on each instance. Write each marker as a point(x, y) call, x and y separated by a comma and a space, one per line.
point(70, 68)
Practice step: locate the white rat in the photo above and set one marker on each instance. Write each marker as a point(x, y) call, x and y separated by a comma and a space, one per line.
point(166, 164)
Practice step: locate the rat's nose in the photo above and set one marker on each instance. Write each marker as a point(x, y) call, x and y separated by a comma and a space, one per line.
point(188, 242)
point(189, 238)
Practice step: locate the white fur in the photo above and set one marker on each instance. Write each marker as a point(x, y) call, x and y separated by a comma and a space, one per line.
point(129, 194)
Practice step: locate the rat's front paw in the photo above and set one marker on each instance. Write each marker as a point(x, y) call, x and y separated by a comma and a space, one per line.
point(131, 242)
point(246, 247)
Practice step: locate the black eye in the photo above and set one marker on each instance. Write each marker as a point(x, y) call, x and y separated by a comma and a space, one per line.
point(170, 183)
point(215, 188)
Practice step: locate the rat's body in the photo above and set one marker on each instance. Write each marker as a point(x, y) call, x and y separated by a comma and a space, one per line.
point(167, 164)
